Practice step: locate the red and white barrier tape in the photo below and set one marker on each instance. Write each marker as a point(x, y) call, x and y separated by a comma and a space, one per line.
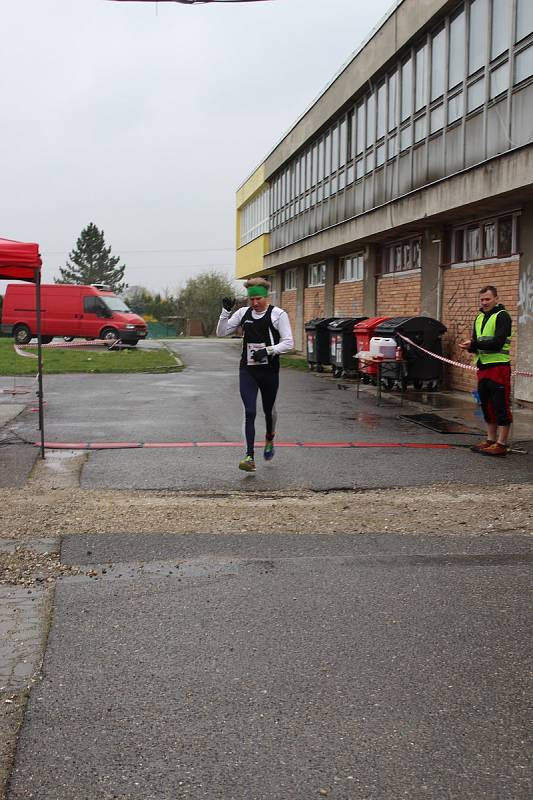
point(19, 352)
point(460, 364)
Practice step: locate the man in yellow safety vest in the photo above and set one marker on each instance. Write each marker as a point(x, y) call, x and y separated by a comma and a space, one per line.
point(491, 344)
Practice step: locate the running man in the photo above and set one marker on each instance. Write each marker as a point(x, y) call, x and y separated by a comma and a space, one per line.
point(266, 334)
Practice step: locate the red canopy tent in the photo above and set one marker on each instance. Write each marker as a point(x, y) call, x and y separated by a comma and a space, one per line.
point(20, 261)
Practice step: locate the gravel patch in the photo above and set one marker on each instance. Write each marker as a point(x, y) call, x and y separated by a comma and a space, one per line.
point(437, 509)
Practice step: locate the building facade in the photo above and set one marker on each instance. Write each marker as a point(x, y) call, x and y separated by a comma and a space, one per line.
point(408, 184)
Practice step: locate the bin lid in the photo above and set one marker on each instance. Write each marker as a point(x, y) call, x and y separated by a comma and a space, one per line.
point(368, 324)
point(344, 323)
point(424, 325)
point(318, 322)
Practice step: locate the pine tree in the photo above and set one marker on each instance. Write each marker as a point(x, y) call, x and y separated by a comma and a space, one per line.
point(92, 262)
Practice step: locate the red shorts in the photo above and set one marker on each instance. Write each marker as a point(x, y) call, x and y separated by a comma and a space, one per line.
point(494, 388)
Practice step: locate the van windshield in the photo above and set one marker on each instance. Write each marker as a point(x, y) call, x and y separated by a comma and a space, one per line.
point(116, 304)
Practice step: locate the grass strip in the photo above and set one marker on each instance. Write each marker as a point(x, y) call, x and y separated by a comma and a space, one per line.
point(59, 361)
point(294, 362)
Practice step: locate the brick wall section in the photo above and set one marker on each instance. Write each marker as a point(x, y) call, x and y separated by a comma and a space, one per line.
point(313, 303)
point(348, 299)
point(460, 293)
point(288, 304)
point(398, 296)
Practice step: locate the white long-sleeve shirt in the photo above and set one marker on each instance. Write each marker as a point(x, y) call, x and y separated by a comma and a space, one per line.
point(228, 324)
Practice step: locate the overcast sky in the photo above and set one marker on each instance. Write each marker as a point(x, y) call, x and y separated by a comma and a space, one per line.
point(145, 118)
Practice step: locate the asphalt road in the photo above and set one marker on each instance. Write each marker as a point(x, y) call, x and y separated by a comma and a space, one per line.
point(263, 666)
point(202, 404)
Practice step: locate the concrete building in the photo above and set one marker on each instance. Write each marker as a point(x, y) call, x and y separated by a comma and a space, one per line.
point(408, 184)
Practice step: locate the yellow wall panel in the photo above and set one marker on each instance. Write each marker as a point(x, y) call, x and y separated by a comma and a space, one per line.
point(250, 257)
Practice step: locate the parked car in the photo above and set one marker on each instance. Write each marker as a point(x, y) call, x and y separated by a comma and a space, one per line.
point(70, 311)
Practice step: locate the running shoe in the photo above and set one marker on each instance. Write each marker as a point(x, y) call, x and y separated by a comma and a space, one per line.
point(247, 464)
point(496, 449)
point(268, 452)
point(478, 448)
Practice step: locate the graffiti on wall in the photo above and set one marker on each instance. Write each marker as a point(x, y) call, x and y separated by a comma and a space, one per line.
point(525, 296)
point(461, 311)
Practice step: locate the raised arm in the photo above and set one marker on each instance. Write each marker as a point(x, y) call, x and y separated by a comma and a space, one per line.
point(228, 322)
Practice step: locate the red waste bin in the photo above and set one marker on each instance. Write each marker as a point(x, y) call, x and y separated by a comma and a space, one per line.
point(363, 332)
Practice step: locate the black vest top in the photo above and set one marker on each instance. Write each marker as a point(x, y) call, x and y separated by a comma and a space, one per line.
point(259, 330)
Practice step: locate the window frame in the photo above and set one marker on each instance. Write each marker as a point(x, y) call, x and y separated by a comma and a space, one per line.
point(289, 277)
point(393, 253)
point(459, 236)
point(317, 282)
point(358, 256)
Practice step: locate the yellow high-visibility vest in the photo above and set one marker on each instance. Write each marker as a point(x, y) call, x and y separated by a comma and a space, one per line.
point(484, 356)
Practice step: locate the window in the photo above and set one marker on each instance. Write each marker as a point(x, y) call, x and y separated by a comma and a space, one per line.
point(342, 143)
point(402, 256)
point(93, 305)
point(308, 169)
point(289, 280)
point(476, 95)
point(314, 172)
point(499, 80)
point(473, 244)
point(523, 65)
point(254, 218)
point(350, 135)
point(406, 138)
point(407, 89)
point(417, 254)
point(456, 57)
point(360, 128)
point(381, 122)
point(437, 65)
point(493, 238)
point(501, 26)
point(316, 274)
point(479, 11)
point(393, 101)
point(505, 236)
point(321, 159)
point(421, 77)
point(371, 119)
point(420, 128)
point(327, 168)
point(351, 268)
point(335, 148)
point(455, 108)
point(489, 239)
point(524, 18)
point(436, 119)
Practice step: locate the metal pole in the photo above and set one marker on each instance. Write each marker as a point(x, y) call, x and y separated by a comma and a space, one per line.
point(39, 356)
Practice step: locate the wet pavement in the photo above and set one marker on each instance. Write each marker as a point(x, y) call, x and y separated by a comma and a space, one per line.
point(237, 667)
point(202, 405)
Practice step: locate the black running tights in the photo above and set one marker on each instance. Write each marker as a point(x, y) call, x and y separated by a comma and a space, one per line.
point(250, 382)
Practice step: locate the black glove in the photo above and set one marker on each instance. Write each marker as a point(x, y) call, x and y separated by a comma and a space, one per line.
point(228, 303)
point(259, 355)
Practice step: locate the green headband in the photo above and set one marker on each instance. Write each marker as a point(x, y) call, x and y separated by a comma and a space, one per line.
point(257, 291)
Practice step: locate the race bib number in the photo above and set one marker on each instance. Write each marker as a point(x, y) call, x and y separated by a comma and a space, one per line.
point(251, 347)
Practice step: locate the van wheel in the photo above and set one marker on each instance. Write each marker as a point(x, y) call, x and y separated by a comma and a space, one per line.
point(68, 338)
point(22, 334)
point(110, 334)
